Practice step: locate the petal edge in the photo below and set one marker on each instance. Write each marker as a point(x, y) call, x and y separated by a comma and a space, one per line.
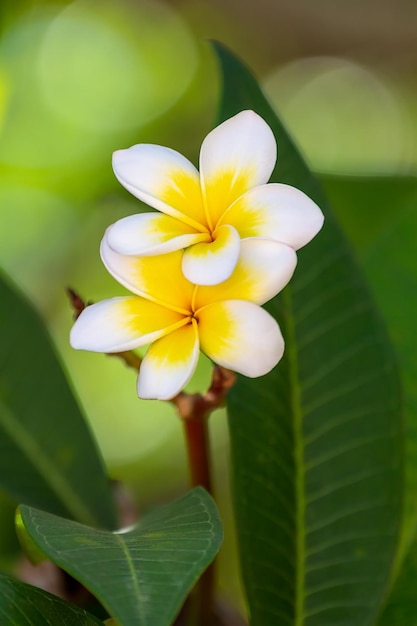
point(235, 156)
point(149, 234)
point(123, 323)
point(240, 336)
point(162, 178)
point(169, 364)
point(212, 263)
point(276, 211)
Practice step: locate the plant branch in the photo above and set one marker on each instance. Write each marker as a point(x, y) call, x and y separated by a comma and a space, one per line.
point(130, 358)
point(194, 410)
point(189, 406)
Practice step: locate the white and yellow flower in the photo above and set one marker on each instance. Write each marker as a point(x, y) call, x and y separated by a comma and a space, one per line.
point(209, 212)
point(179, 318)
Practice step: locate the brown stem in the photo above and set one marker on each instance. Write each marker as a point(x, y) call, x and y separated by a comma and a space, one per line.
point(196, 436)
point(130, 358)
point(194, 410)
point(197, 443)
point(197, 406)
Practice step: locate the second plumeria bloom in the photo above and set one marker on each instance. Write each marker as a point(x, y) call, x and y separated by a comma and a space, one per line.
point(179, 318)
point(209, 212)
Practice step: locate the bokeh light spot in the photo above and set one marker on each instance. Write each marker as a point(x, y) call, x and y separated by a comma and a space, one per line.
point(85, 78)
point(346, 118)
point(31, 136)
point(116, 68)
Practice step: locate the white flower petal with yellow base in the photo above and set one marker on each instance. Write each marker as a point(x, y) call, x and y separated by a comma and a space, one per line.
point(236, 156)
point(263, 269)
point(123, 324)
point(151, 233)
point(169, 364)
point(240, 336)
point(276, 211)
point(159, 278)
point(162, 178)
point(211, 263)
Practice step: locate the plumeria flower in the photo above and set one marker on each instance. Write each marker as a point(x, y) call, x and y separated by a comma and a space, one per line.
point(179, 318)
point(209, 212)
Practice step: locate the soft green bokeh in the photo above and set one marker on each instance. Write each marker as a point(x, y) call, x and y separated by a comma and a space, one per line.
point(346, 117)
point(79, 80)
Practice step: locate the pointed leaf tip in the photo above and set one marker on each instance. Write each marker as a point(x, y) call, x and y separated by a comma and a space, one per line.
point(161, 556)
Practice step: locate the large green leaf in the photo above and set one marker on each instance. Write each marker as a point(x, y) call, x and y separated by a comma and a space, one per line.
point(24, 605)
point(401, 606)
point(380, 217)
point(369, 208)
point(391, 266)
point(48, 458)
point(316, 444)
point(385, 209)
point(141, 575)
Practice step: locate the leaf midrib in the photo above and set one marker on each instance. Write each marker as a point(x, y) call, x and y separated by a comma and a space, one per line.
point(132, 571)
point(54, 479)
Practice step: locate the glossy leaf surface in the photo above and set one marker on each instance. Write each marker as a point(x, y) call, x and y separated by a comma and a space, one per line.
point(380, 216)
point(141, 575)
point(317, 443)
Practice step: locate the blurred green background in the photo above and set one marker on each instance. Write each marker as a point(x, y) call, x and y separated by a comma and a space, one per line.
point(81, 79)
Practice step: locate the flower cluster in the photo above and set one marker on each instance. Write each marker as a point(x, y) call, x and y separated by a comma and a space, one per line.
point(221, 245)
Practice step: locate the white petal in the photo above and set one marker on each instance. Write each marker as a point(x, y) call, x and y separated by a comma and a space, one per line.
point(150, 234)
point(169, 364)
point(211, 263)
point(162, 178)
point(263, 269)
point(276, 211)
point(122, 324)
point(236, 156)
point(158, 278)
point(240, 336)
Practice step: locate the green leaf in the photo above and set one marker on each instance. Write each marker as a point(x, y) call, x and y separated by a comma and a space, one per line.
point(382, 226)
point(24, 605)
point(317, 444)
point(401, 605)
point(370, 208)
point(48, 458)
point(385, 209)
point(142, 575)
point(30, 548)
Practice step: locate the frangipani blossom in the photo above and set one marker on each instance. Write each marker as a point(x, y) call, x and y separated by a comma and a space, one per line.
point(209, 212)
point(179, 318)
